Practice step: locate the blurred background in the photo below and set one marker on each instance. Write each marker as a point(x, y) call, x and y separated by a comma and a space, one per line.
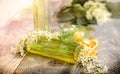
point(8, 9)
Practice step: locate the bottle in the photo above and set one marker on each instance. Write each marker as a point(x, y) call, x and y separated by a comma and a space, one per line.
point(41, 15)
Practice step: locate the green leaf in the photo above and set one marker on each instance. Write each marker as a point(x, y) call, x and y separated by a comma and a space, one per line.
point(81, 2)
point(82, 21)
point(65, 15)
point(93, 21)
point(77, 10)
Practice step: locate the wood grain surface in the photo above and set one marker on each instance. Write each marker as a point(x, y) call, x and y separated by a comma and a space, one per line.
point(35, 64)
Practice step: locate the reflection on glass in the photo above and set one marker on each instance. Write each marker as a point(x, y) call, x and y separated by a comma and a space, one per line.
point(41, 15)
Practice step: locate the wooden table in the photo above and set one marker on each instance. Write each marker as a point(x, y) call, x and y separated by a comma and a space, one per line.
point(16, 28)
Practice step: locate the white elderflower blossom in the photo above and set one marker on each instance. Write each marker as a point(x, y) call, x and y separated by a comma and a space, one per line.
point(97, 11)
point(33, 37)
point(101, 15)
point(91, 65)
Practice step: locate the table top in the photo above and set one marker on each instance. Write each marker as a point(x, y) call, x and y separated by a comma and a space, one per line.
point(15, 29)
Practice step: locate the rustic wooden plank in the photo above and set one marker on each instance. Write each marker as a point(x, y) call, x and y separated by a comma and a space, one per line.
point(9, 62)
point(36, 64)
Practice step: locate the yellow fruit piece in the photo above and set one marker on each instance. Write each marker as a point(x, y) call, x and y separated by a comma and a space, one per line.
point(78, 35)
point(90, 48)
point(91, 43)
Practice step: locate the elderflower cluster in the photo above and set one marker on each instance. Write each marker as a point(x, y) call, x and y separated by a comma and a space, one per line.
point(91, 64)
point(88, 55)
point(97, 11)
point(21, 47)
